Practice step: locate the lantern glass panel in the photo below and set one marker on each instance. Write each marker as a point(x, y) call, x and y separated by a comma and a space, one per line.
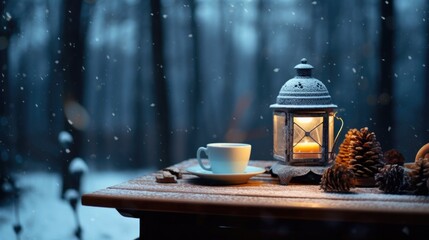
point(279, 133)
point(331, 133)
point(307, 137)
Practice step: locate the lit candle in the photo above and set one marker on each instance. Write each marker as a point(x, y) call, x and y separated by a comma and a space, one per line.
point(307, 150)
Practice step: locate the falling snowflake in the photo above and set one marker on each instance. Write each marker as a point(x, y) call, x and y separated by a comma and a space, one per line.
point(354, 70)
point(409, 57)
point(116, 138)
point(190, 35)
point(8, 17)
point(152, 104)
point(314, 2)
point(276, 70)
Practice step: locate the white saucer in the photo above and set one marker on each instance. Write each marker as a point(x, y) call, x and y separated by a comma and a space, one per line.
point(234, 178)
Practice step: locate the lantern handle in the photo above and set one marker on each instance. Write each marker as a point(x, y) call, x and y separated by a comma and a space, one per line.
point(339, 131)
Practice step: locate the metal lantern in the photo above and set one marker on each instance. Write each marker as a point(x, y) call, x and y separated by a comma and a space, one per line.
point(303, 119)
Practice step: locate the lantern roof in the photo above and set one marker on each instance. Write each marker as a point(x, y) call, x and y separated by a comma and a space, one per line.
point(304, 91)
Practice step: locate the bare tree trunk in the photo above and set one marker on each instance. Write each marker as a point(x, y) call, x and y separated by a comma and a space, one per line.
point(334, 10)
point(195, 88)
point(425, 124)
point(55, 85)
point(385, 118)
point(138, 121)
point(263, 80)
point(262, 73)
point(72, 60)
point(138, 113)
point(5, 144)
point(229, 54)
point(72, 48)
point(5, 33)
point(161, 96)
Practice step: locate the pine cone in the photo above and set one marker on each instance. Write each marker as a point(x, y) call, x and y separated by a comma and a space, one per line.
point(419, 177)
point(393, 156)
point(390, 178)
point(343, 156)
point(337, 178)
point(365, 154)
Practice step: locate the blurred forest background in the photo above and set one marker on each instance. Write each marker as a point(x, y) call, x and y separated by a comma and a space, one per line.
point(144, 83)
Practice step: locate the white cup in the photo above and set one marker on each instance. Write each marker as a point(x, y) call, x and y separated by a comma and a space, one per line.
point(226, 158)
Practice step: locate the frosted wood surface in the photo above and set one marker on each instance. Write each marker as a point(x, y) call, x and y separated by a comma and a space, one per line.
point(257, 201)
point(257, 188)
point(261, 195)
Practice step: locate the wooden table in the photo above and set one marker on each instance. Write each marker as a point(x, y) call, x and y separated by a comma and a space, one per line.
point(262, 209)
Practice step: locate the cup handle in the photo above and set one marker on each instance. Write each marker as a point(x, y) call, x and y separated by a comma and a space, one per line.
point(202, 149)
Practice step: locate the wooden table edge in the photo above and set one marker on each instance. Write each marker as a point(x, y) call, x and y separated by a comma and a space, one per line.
point(292, 211)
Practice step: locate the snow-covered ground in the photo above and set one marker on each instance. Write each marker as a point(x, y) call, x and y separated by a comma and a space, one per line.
point(45, 216)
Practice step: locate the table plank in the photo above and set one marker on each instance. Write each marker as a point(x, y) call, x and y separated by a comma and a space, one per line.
point(265, 187)
point(294, 208)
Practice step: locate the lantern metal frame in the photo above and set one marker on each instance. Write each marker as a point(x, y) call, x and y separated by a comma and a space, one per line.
point(304, 96)
point(326, 152)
